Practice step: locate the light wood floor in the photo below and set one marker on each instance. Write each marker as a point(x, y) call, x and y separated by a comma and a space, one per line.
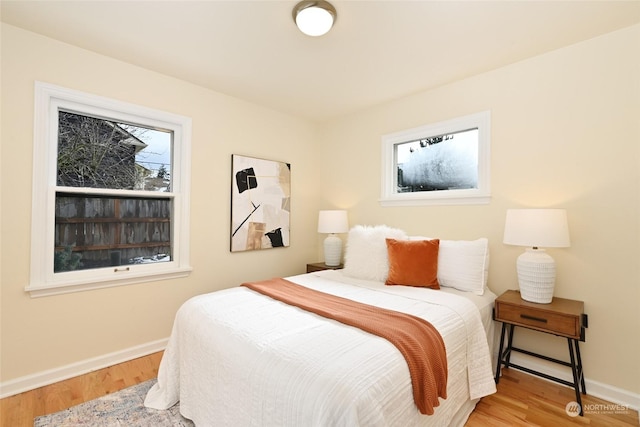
point(21, 409)
point(521, 400)
point(526, 400)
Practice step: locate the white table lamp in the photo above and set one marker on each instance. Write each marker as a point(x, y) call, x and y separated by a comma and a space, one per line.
point(536, 228)
point(333, 222)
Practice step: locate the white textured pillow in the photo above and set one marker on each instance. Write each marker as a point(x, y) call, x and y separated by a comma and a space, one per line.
point(463, 264)
point(366, 251)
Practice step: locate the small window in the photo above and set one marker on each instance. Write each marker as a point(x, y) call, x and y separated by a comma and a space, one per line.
point(110, 193)
point(441, 163)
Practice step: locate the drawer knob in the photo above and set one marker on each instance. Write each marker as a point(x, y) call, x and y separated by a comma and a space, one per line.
point(536, 319)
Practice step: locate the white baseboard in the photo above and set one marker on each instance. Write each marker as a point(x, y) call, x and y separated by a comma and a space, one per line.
point(40, 379)
point(594, 388)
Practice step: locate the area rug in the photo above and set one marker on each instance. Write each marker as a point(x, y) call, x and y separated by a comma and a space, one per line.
point(119, 409)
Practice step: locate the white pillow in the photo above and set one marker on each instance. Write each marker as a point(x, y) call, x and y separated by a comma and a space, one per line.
point(463, 264)
point(366, 251)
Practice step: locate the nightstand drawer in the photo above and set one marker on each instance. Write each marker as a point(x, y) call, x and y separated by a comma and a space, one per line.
point(539, 319)
point(320, 266)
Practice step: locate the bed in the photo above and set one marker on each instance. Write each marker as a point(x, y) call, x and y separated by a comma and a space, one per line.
point(239, 358)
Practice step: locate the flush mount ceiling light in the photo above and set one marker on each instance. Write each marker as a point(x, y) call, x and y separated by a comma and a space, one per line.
point(314, 17)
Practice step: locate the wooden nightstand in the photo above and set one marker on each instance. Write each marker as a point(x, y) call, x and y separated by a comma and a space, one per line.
point(319, 266)
point(562, 317)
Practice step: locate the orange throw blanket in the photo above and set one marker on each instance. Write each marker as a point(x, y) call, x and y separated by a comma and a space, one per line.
point(418, 340)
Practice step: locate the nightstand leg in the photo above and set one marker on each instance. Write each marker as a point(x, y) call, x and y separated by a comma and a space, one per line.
point(580, 371)
point(576, 380)
point(499, 364)
point(509, 345)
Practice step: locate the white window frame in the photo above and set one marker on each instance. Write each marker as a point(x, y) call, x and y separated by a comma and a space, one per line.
point(480, 195)
point(49, 99)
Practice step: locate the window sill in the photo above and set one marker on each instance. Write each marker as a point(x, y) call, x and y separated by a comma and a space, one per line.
point(39, 290)
point(423, 201)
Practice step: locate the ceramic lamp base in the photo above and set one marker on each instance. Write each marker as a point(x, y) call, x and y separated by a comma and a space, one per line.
point(536, 276)
point(332, 250)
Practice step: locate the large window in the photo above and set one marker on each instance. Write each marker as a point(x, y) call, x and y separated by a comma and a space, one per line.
point(110, 193)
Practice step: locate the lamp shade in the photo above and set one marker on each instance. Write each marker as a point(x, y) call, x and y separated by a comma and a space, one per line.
point(314, 17)
point(537, 228)
point(333, 221)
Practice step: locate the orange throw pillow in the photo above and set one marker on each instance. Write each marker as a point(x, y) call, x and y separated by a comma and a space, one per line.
point(413, 263)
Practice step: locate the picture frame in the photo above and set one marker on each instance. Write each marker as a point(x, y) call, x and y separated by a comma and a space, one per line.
point(444, 163)
point(260, 203)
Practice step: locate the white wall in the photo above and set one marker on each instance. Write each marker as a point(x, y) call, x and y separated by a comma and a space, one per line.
point(566, 134)
point(47, 333)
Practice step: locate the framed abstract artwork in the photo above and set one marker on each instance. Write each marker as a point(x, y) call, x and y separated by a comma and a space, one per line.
point(260, 203)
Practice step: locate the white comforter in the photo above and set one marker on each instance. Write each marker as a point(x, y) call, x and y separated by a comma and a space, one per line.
point(238, 358)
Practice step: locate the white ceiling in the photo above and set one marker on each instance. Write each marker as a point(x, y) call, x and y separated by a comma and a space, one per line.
point(377, 50)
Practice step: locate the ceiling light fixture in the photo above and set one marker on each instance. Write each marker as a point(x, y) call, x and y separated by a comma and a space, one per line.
point(314, 17)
